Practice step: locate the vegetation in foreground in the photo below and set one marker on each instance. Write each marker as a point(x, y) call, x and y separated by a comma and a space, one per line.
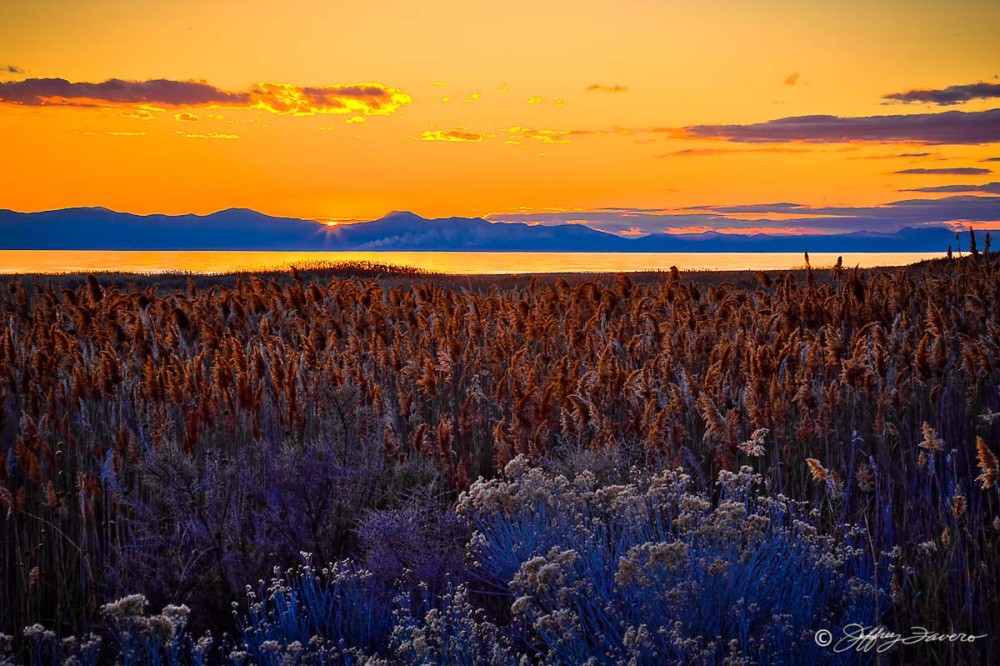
point(629, 470)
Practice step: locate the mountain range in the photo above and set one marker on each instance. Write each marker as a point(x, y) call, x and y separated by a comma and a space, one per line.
point(243, 229)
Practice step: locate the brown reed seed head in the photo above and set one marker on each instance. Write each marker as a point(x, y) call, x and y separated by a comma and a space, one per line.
point(988, 465)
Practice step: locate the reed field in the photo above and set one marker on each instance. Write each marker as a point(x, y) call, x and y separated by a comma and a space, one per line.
point(376, 466)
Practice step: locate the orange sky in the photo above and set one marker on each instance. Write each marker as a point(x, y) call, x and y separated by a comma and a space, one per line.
point(491, 107)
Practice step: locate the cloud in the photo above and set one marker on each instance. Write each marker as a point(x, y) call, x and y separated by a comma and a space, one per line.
point(949, 171)
point(213, 135)
point(949, 96)
point(10, 69)
point(139, 114)
point(991, 159)
point(60, 92)
point(521, 134)
point(704, 152)
point(540, 100)
point(781, 207)
point(597, 87)
point(949, 127)
point(895, 156)
point(125, 133)
point(186, 117)
point(986, 188)
point(792, 79)
point(459, 134)
point(621, 131)
point(370, 99)
point(280, 98)
point(780, 217)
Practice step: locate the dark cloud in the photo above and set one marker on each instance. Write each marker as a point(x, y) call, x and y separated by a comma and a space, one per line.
point(45, 92)
point(946, 171)
point(949, 127)
point(992, 159)
point(948, 96)
point(986, 188)
point(887, 217)
point(11, 69)
point(283, 98)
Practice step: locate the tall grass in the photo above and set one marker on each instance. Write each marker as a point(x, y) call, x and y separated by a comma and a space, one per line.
point(181, 442)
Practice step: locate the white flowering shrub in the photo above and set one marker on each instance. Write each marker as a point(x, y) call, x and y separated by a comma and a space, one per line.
point(650, 572)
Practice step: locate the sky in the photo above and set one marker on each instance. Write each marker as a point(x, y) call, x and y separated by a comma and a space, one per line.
point(633, 116)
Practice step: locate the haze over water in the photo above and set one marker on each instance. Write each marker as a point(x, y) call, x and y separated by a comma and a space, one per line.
point(491, 263)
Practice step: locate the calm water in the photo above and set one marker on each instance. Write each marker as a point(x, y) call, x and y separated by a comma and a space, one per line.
point(68, 261)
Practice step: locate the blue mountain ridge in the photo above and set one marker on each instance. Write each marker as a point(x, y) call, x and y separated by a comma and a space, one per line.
point(244, 229)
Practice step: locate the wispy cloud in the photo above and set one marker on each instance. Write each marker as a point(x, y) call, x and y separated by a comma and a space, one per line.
point(212, 135)
point(986, 188)
point(792, 79)
point(10, 69)
point(705, 152)
point(138, 114)
point(947, 171)
point(895, 156)
point(542, 101)
point(521, 134)
point(783, 217)
point(620, 131)
point(597, 87)
point(186, 117)
point(949, 127)
point(949, 96)
point(459, 134)
point(281, 98)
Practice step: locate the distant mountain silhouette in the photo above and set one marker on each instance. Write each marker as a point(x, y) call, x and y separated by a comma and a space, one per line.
point(243, 229)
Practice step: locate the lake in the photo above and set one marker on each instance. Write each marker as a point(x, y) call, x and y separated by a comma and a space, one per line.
point(488, 263)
